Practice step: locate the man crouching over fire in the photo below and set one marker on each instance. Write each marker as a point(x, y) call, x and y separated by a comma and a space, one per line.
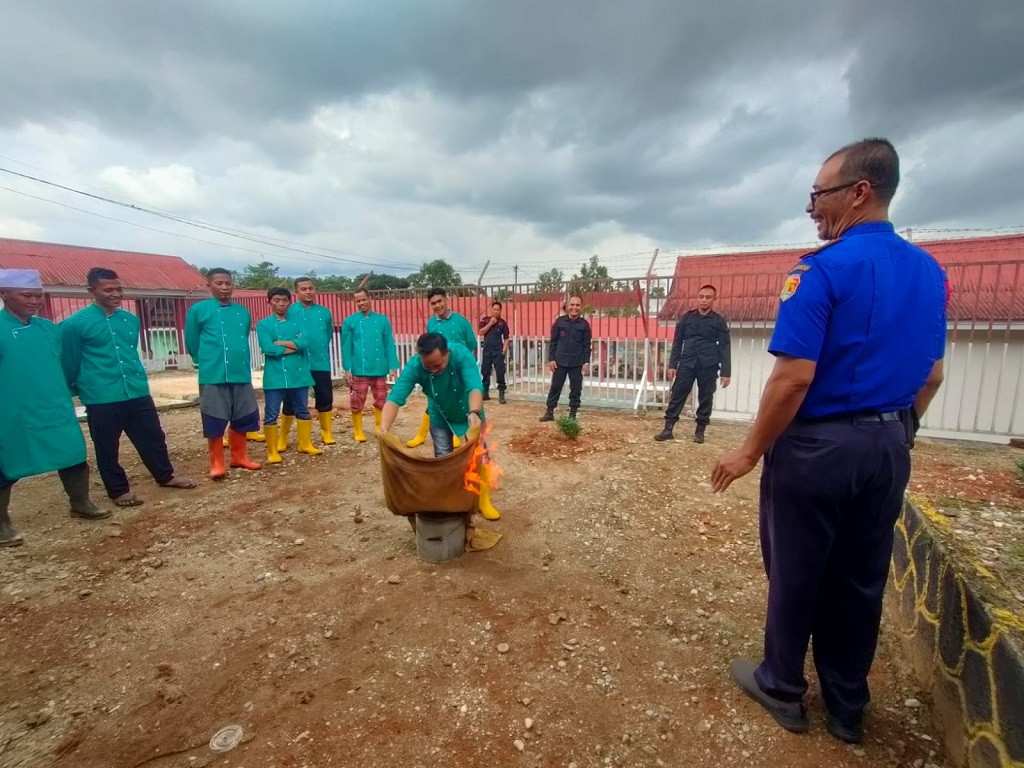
point(450, 379)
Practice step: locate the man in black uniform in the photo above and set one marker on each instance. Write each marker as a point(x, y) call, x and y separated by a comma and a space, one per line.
point(858, 346)
point(568, 356)
point(700, 352)
point(494, 334)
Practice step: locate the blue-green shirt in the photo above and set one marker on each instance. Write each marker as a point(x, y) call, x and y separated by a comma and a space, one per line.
point(101, 356)
point(39, 431)
point(317, 329)
point(281, 371)
point(217, 339)
point(455, 328)
point(447, 392)
point(368, 345)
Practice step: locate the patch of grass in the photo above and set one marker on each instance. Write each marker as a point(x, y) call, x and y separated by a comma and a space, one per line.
point(568, 427)
point(1016, 553)
point(1020, 470)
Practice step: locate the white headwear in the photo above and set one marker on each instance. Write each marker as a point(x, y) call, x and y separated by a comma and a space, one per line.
point(20, 278)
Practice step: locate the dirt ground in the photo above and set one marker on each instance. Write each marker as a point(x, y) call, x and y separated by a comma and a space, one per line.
point(622, 589)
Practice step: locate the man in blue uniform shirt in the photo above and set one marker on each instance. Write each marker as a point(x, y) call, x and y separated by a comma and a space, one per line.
point(858, 343)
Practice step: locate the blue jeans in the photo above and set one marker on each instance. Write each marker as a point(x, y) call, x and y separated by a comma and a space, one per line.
point(441, 436)
point(298, 398)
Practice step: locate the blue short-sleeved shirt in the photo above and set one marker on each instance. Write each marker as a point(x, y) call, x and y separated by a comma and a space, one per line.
point(870, 310)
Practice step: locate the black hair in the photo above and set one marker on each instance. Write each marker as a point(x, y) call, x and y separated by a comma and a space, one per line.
point(872, 160)
point(218, 271)
point(99, 273)
point(279, 291)
point(429, 342)
point(436, 292)
point(497, 303)
point(360, 290)
point(708, 285)
point(303, 280)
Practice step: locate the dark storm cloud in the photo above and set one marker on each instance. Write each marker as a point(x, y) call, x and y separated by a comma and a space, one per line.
point(601, 98)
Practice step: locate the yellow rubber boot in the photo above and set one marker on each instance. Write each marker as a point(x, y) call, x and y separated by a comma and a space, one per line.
point(378, 414)
point(283, 432)
point(487, 509)
point(225, 442)
point(456, 442)
point(421, 436)
point(357, 427)
point(325, 428)
point(270, 431)
point(304, 443)
point(255, 437)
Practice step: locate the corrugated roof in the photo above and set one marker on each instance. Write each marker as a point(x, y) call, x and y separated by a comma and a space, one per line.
point(65, 266)
point(986, 277)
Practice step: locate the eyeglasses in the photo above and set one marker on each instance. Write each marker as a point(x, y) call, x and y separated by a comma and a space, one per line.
point(816, 193)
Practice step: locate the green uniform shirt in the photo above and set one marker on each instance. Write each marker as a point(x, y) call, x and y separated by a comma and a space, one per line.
point(447, 393)
point(217, 338)
point(317, 329)
point(368, 345)
point(281, 371)
point(39, 431)
point(101, 356)
point(455, 328)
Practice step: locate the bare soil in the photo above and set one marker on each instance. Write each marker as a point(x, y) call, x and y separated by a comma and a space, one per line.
point(622, 588)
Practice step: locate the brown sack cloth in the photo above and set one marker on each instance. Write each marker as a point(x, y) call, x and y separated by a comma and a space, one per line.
point(414, 483)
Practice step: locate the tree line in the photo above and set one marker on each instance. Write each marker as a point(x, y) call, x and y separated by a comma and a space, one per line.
point(592, 277)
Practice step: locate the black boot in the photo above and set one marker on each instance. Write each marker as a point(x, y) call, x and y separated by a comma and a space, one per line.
point(501, 397)
point(76, 486)
point(487, 395)
point(8, 536)
point(572, 413)
point(698, 435)
point(549, 415)
point(665, 434)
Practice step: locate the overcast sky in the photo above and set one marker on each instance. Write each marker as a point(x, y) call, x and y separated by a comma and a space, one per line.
point(525, 132)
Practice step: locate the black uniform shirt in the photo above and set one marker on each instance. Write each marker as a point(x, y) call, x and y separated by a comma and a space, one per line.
point(701, 341)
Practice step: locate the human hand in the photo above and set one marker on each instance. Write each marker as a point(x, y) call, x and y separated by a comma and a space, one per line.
point(393, 374)
point(671, 374)
point(732, 466)
point(552, 366)
point(348, 379)
point(586, 369)
point(725, 381)
point(474, 420)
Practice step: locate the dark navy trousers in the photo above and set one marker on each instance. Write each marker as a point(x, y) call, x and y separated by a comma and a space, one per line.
point(831, 493)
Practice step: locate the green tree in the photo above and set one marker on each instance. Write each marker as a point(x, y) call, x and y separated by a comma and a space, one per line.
point(592, 278)
point(436, 274)
point(334, 283)
point(380, 282)
point(550, 281)
point(262, 275)
point(658, 292)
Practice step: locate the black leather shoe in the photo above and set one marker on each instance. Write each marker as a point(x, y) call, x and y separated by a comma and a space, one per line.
point(665, 434)
point(789, 714)
point(501, 398)
point(548, 416)
point(851, 734)
point(698, 436)
point(487, 395)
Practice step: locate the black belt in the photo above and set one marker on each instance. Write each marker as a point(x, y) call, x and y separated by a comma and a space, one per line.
point(854, 416)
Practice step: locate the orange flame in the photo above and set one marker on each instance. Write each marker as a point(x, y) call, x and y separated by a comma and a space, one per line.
point(482, 458)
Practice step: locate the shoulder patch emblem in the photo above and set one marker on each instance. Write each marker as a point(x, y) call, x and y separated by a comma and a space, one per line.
point(790, 286)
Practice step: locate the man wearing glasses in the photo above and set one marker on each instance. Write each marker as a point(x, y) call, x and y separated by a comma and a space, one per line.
point(858, 343)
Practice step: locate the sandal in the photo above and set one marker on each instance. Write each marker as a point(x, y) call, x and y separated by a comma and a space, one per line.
point(128, 500)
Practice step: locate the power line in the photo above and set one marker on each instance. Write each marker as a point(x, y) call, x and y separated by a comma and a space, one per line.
point(241, 234)
point(160, 231)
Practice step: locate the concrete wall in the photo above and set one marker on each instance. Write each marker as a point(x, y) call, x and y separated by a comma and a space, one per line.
point(966, 649)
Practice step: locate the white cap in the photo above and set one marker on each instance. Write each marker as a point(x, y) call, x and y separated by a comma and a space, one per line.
point(20, 278)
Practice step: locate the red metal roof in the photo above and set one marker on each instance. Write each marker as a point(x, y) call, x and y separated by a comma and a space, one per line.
point(986, 277)
point(65, 266)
